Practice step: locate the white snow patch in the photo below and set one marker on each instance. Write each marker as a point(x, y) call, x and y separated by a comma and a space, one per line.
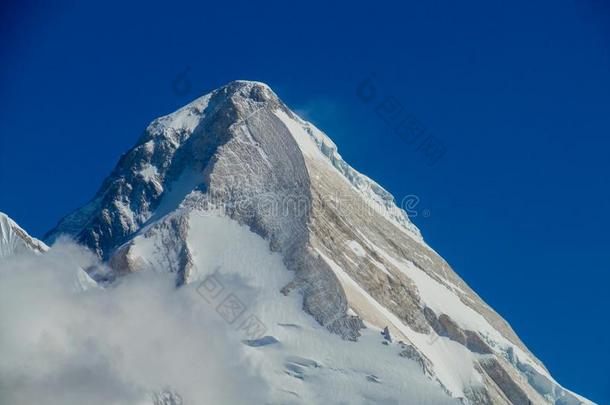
point(149, 173)
point(356, 248)
point(186, 118)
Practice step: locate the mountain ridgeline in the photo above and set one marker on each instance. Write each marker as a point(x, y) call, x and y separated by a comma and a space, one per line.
point(354, 260)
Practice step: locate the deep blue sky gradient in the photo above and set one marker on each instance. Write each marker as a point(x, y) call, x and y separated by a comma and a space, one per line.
point(518, 92)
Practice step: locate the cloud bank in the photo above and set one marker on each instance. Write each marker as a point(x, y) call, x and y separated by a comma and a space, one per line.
point(118, 345)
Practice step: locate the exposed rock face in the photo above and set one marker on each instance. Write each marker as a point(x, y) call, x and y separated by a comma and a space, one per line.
point(241, 151)
point(386, 334)
point(510, 388)
point(445, 326)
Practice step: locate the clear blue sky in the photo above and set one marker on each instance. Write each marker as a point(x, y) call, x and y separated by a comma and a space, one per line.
point(518, 93)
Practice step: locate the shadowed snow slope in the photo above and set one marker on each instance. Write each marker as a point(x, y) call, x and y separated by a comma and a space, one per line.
point(335, 262)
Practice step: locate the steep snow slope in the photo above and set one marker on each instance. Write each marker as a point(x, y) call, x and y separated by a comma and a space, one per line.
point(14, 240)
point(353, 257)
point(300, 360)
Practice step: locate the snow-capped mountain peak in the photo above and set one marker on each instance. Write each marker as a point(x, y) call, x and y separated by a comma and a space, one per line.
point(237, 166)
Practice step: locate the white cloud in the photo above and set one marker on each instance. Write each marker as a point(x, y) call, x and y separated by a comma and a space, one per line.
point(116, 345)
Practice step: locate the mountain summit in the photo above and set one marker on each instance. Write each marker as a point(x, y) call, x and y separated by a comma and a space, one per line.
point(204, 184)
